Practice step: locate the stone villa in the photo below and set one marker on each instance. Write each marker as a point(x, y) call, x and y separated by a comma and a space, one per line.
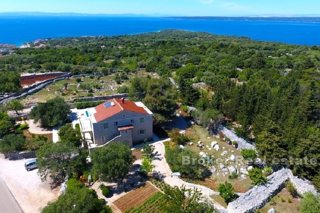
point(116, 120)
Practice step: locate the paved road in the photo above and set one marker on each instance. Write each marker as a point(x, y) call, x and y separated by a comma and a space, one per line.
point(7, 202)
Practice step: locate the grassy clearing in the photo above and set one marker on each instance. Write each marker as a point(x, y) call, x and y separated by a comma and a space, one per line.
point(240, 184)
point(219, 200)
point(282, 202)
point(70, 89)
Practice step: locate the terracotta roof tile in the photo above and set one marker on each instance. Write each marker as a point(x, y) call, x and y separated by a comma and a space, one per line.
point(115, 106)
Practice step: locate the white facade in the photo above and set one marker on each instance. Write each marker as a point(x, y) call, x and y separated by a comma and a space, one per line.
point(126, 126)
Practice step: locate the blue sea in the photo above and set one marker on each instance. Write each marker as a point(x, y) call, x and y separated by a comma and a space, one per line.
point(20, 29)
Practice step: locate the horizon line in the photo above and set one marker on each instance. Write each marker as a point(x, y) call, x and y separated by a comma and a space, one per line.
point(35, 13)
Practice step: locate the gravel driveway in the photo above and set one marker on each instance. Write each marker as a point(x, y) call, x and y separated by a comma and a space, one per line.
point(27, 188)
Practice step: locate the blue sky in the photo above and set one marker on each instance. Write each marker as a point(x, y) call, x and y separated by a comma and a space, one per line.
point(168, 7)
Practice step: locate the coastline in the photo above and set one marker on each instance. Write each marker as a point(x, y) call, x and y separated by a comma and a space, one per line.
point(291, 31)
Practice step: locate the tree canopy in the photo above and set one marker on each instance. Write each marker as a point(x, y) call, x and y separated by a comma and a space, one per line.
point(188, 163)
point(60, 160)
point(52, 113)
point(77, 199)
point(112, 162)
point(68, 134)
point(6, 124)
point(12, 142)
point(15, 105)
point(157, 94)
point(9, 82)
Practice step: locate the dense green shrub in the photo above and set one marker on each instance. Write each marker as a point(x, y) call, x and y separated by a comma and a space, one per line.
point(106, 191)
point(227, 192)
point(249, 154)
point(267, 171)
point(257, 177)
point(7, 125)
point(310, 203)
point(77, 198)
point(11, 143)
point(147, 165)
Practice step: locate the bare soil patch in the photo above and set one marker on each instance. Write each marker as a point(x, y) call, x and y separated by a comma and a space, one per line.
point(283, 202)
point(137, 154)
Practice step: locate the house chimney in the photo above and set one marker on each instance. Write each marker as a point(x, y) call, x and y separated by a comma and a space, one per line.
point(122, 100)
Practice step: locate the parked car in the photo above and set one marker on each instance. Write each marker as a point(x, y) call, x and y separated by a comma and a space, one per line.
point(31, 164)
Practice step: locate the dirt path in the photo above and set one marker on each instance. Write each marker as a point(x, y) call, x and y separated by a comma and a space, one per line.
point(34, 128)
point(161, 166)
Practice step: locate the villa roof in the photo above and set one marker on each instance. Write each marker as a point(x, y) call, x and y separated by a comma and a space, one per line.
point(115, 106)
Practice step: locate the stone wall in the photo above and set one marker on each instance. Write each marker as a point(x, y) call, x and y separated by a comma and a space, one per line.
point(302, 186)
point(258, 196)
point(242, 144)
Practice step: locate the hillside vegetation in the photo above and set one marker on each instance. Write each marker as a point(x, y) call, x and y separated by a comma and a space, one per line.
point(271, 89)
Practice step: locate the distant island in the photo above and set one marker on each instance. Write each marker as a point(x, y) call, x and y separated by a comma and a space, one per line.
point(34, 26)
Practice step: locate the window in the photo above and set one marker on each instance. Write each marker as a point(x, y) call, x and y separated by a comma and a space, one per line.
point(116, 123)
point(141, 120)
point(105, 125)
point(132, 121)
point(142, 132)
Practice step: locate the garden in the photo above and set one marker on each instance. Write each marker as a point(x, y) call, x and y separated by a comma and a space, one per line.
point(136, 197)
